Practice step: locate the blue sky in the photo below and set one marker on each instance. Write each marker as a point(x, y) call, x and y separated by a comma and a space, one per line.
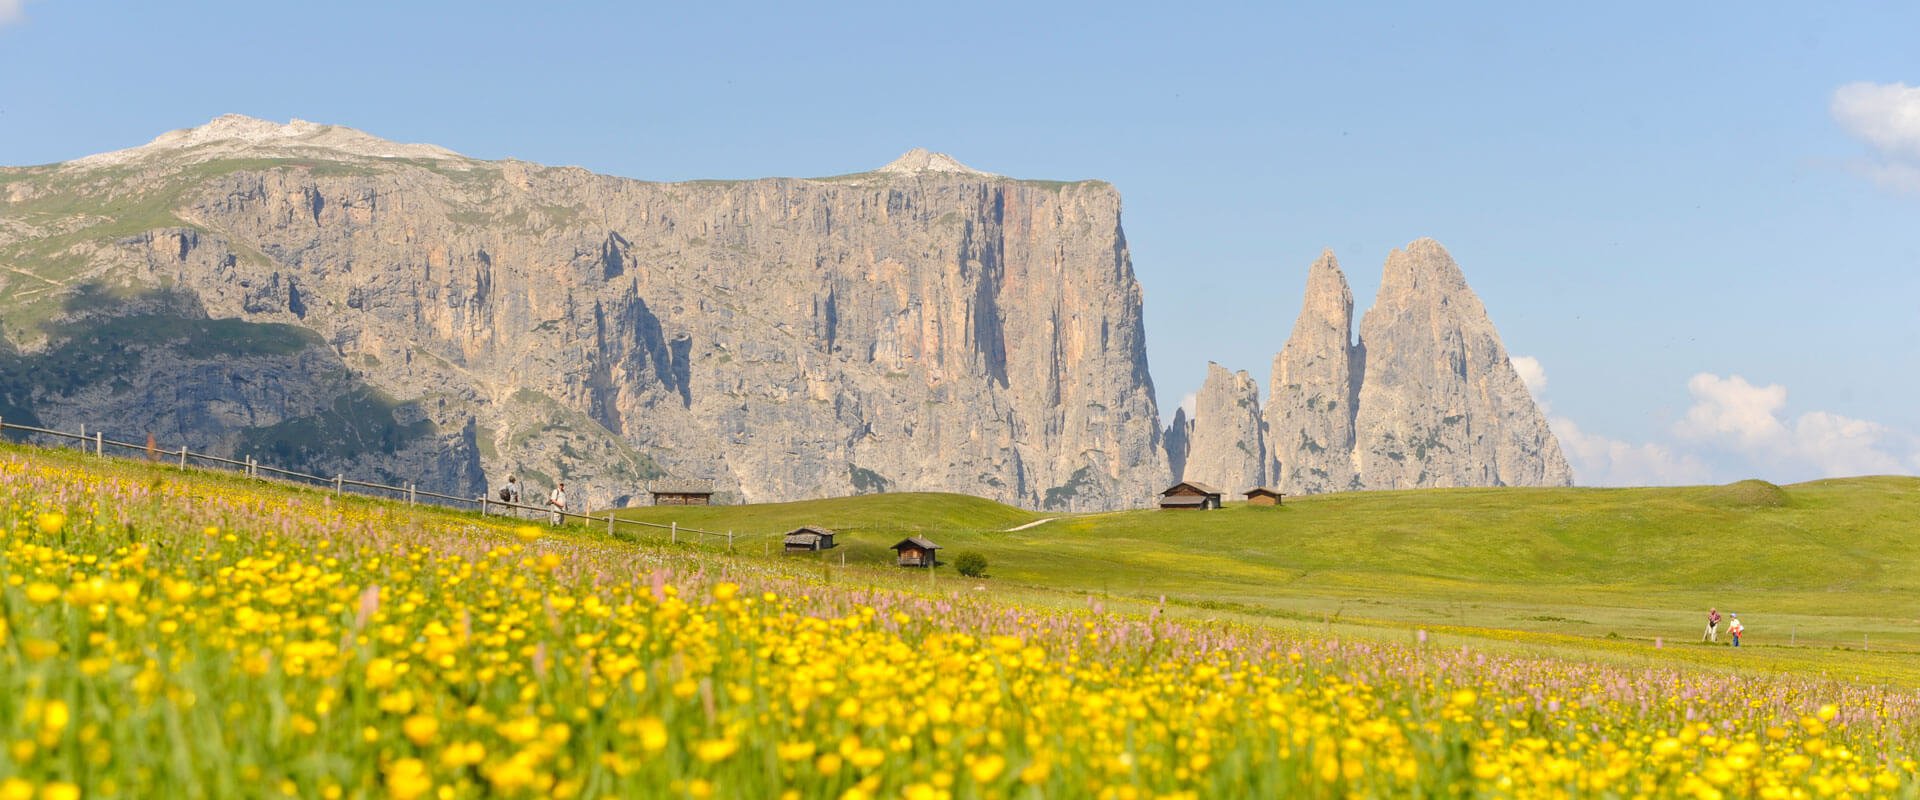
point(1699, 223)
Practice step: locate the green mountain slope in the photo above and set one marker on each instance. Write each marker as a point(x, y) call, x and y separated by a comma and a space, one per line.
point(1824, 563)
point(1826, 584)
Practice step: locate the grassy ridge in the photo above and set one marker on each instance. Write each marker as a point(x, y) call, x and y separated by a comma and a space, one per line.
point(170, 634)
point(1825, 564)
point(1269, 566)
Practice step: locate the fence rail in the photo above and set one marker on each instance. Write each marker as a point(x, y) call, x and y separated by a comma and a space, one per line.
point(340, 483)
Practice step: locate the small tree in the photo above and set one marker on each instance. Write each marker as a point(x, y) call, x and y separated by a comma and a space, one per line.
point(972, 565)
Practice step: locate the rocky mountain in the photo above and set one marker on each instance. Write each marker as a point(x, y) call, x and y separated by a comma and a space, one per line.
point(1178, 436)
point(1313, 392)
point(1225, 448)
point(1426, 398)
point(1440, 403)
point(331, 301)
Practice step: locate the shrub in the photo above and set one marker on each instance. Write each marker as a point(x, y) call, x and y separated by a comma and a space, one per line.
point(972, 565)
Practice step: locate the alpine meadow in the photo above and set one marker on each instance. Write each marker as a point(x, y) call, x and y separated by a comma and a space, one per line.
point(1008, 401)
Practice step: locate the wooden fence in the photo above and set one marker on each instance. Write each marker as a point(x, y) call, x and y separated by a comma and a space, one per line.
point(252, 468)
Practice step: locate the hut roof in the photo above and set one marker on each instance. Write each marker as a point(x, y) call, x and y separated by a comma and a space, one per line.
point(915, 541)
point(1258, 490)
point(672, 486)
point(812, 529)
point(1177, 501)
point(1194, 485)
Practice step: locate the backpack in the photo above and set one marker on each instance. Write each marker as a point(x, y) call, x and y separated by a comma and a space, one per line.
point(506, 494)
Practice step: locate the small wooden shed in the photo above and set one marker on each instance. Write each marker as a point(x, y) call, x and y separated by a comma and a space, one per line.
point(1190, 495)
point(916, 552)
point(1263, 496)
point(681, 493)
point(806, 539)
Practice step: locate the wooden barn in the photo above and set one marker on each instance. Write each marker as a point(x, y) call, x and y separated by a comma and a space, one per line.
point(916, 552)
point(1190, 495)
point(806, 539)
point(681, 493)
point(1263, 496)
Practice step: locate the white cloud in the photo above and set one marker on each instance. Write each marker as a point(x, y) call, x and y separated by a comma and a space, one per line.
point(1531, 374)
point(1733, 409)
point(1840, 445)
point(1893, 174)
point(1746, 420)
point(1886, 116)
point(12, 11)
point(1190, 402)
point(1733, 427)
point(1600, 461)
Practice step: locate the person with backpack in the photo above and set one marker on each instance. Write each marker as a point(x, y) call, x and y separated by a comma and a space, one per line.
point(1713, 626)
point(510, 494)
point(1735, 628)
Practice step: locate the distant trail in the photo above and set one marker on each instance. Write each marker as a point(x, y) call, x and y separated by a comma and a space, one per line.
point(1034, 523)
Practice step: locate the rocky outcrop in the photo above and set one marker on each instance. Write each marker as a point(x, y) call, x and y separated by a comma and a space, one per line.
point(929, 327)
point(1178, 437)
point(1225, 448)
point(1440, 403)
point(1313, 393)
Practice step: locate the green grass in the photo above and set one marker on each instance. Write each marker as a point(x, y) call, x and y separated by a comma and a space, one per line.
point(1816, 569)
point(1591, 574)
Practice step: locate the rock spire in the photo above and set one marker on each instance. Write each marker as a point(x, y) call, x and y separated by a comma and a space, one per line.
point(1440, 403)
point(1311, 399)
point(1226, 448)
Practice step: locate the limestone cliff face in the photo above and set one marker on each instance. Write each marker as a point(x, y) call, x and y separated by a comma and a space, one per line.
point(1440, 403)
point(924, 327)
point(1225, 448)
point(1313, 391)
point(1178, 436)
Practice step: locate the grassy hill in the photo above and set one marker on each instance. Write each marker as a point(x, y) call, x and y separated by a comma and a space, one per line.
point(170, 633)
point(1825, 564)
point(1824, 573)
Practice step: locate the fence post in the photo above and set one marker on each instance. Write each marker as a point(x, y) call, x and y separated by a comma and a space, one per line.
point(609, 522)
point(673, 532)
point(183, 456)
point(409, 495)
point(99, 444)
point(337, 480)
point(729, 541)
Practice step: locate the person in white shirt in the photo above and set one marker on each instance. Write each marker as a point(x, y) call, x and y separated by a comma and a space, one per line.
point(557, 501)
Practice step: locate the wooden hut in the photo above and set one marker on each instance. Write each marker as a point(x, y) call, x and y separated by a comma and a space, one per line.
point(916, 552)
point(1263, 496)
point(681, 493)
point(1190, 495)
point(806, 539)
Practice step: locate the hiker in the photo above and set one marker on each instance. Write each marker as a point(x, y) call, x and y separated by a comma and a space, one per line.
point(557, 501)
point(510, 494)
point(1736, 629)
point(1713, 626)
